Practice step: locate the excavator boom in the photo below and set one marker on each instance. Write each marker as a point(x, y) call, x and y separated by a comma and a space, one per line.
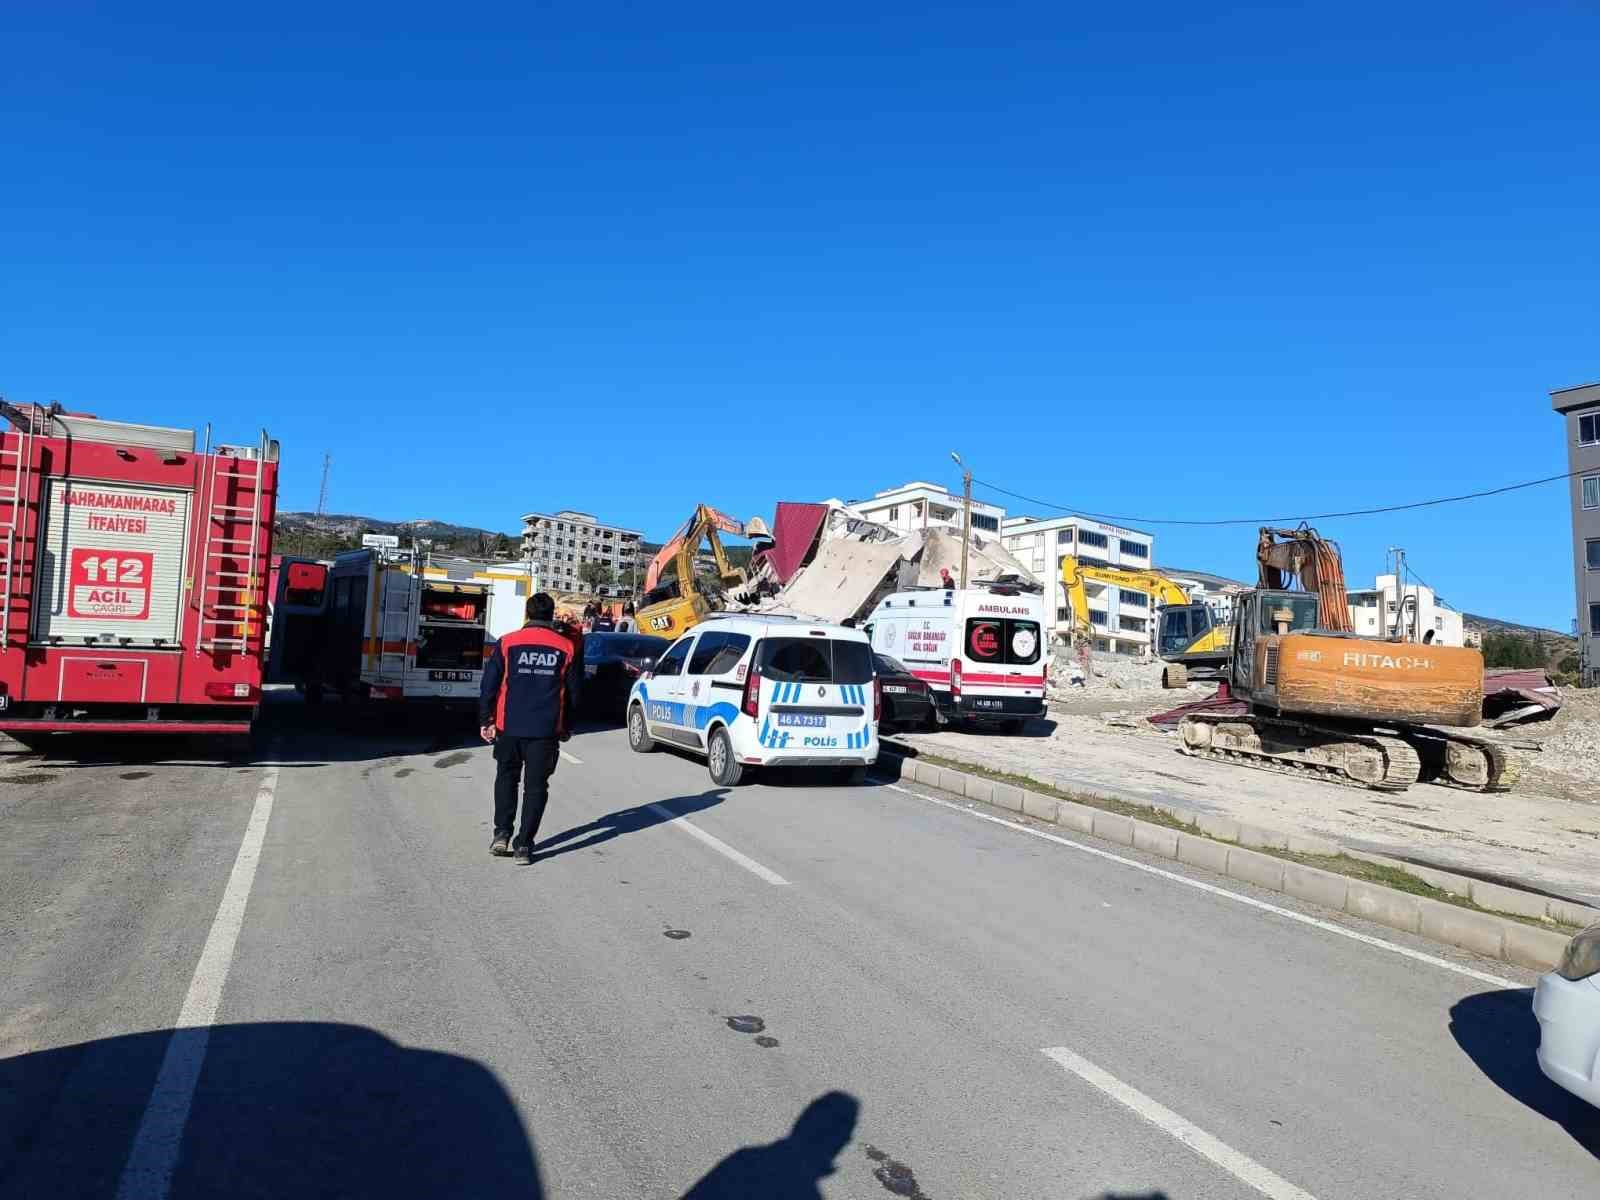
point(672, 614)
point(1286, 555)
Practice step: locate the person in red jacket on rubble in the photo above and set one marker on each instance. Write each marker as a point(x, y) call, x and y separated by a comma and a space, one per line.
point(530, 693)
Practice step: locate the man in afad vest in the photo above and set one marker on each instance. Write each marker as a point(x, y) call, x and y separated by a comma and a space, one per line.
point(529, 696)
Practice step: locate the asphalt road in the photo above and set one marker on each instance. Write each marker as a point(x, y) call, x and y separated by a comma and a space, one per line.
point(790, 989)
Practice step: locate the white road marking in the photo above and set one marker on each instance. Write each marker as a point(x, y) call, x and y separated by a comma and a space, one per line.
point(1315, 922)
point(147, 1174)
point(572, 758)
point(717, 844)
point(1240, 1166)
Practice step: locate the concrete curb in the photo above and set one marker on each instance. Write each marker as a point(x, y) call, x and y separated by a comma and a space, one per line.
point(1482, 933)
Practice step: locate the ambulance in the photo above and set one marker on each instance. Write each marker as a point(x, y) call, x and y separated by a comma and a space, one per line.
point(980, 649)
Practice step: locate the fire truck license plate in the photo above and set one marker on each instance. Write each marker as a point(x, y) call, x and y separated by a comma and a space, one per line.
point(988, 704)
point(450, 676)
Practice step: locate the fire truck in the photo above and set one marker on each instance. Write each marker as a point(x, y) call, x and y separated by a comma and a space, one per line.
point(131, 576)
point(373, 625)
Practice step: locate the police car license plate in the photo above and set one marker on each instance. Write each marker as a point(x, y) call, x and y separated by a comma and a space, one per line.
point(449, 676)
point(988, 704)
point(895, 690)
point(804, 720)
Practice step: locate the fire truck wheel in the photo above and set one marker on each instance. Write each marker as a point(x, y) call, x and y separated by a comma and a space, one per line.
point(638, 732)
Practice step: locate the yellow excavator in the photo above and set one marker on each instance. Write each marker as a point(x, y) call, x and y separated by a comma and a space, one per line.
point(670, 606)
point(1187, 636)
point(1304, 695)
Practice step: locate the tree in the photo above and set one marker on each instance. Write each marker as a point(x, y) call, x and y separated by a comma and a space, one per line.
point(595, 575)
point(1510, 650)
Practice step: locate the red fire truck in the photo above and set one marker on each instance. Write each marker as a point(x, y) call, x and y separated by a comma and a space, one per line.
point(131, 576)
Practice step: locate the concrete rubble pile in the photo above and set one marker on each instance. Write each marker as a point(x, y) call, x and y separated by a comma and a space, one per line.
point(851, 564)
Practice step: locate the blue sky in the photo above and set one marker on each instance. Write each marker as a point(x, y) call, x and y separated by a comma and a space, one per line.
point(1173, 262)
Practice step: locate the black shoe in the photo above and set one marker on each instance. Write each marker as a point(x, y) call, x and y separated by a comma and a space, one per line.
point(501, 846)
point(522, 856)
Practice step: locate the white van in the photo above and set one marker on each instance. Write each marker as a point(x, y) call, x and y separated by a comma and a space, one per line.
point(747, 690)
point(981, 649)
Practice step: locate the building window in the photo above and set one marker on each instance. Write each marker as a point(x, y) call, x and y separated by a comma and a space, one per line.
point(1088, 537)
point(1134, 549)
point(894, 512)
point(1132, 624)
point(1591, 491)
point(1137, 599)
point(1592, 552)
point(1594, 618)
point(1102, 645)
point(1061, 614)
point(979, 521)
point(1096, 617)
point(1589, 429)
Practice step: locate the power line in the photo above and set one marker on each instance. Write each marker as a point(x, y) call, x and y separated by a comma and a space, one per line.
point(1327, 516)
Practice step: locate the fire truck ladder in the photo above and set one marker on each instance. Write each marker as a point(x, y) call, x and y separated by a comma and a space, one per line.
point(16, 471)
point(226, 596)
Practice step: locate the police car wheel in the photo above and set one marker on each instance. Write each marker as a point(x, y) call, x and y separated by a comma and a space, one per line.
point(638, 732)
point(725, 769)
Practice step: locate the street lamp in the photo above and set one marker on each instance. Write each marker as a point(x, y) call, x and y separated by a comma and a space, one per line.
point(966, 513)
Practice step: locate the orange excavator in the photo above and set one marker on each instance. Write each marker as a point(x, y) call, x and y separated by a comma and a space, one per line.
point(669, 607)
point(1320, 702)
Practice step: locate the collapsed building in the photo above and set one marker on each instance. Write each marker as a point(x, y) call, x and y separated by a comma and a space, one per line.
point(827, 564)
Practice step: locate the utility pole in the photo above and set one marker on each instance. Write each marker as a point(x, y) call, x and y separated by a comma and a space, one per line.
point(966, 514)
point(1399, 593)
point(322, 496)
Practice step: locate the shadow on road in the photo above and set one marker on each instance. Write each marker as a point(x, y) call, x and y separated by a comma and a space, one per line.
point(626, 820)
point(1499, 1033)
point(791, 1167)
point(292, 1109)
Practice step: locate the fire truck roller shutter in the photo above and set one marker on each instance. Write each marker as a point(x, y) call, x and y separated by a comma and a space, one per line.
point(111, 563)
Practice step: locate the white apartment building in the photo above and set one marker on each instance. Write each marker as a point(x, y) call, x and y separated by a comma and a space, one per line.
point(1386, 611)
point(921, 505)
point(1123, 618)
point(558, 544)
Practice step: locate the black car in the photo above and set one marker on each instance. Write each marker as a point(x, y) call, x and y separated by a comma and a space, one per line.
point(611, 662)
point(907, 702)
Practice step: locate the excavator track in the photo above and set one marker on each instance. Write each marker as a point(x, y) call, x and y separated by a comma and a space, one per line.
point(1376, 761)
point(1462, 760)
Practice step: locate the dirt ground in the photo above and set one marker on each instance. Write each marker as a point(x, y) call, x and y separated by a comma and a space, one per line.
point(1545, 834)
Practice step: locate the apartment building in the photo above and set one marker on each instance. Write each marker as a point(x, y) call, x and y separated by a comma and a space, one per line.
point(1412, 612)
point(1123, 618)
point(558, 544)
point(921, 505)
point(1580, 410)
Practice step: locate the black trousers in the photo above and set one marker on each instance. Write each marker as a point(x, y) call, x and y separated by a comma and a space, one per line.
point(534, 760)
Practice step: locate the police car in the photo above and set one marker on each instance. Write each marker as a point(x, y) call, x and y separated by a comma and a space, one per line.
point(747, 690)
